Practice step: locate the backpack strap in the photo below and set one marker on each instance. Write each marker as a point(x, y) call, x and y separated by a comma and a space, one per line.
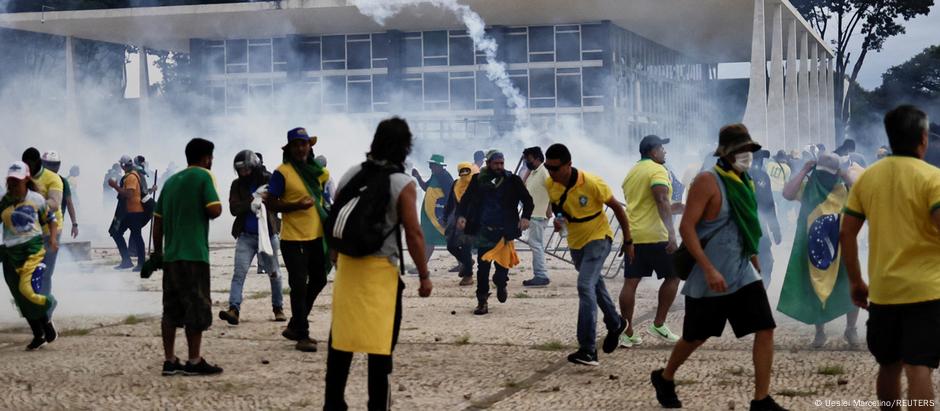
point(401, 250)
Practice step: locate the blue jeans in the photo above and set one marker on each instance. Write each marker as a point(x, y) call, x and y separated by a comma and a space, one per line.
point(246, 248)
point(589, 261)
point(537, 244)
point(49, 260)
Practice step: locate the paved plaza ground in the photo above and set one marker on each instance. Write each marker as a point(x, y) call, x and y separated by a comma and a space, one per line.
point(109, 353)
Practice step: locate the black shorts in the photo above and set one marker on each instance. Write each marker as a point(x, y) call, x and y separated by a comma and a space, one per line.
point(747, 310)
point(649, 258)
point(909, 333)
point(186, 300)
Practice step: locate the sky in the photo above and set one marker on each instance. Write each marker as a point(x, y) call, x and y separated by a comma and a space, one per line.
point(922, 32)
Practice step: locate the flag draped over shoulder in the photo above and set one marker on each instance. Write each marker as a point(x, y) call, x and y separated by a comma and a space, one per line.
point(816, 287)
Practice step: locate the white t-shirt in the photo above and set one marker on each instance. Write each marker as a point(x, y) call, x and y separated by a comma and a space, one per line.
point(535, 184)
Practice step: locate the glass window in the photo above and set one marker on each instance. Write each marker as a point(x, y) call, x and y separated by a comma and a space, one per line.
point(594, 79)
point(542, 82)
point(542, 103)
point(215, 60)
point(380, 45)
point(334, 65)
point(569, 91)
point(235, 94)
point(236, 52)
point(568, 47)
point(259, 58)
point(435, 87)
point(521, 83)
point(280, 54)
point(360, 97)
point(462, 94)
point(334, 47)
point(541, 39)
point(461, 51)
point(413, 52)
point(380, 87)
point(310, 56)
point(217, 103)
point(312, 96)
point(359, 55)
point(334, 90)
point(486, 90)
point(435, 43)
point(413, 95)
point(517, 48)
point(542, 57)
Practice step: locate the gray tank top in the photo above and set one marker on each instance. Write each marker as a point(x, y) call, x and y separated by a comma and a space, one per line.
point(725, 250)
point(398, 183)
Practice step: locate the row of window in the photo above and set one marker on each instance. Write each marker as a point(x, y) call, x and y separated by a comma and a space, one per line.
point(420, 49)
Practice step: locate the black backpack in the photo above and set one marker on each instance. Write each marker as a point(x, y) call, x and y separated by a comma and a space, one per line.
point(356, 224)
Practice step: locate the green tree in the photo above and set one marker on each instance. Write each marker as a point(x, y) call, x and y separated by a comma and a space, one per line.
point(874, 20)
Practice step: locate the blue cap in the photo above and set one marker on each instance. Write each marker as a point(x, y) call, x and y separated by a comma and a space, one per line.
point(298, 133)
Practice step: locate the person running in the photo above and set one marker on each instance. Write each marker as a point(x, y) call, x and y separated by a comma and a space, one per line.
point(24, 214)
point(899, 197)
point(489, 210)
point(181, 220)
point(51, 187)
point(130, 214)
point(648, 191)
point(52, 162)
point(767, 210)
point(720, 227)
point(535, 184)
point(436, 188)
point(246, 230)
point(578, 199)
point(459, 244)
point(815, 289)
point(296, 191)
point(367, 294)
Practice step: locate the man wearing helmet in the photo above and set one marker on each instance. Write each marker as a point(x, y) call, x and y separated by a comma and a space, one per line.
point(251, 177)
point(129, 214)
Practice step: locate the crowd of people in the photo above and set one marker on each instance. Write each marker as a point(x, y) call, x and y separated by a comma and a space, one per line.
point(720, 257)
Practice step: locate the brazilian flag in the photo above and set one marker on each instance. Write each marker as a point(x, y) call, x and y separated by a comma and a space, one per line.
point(433, 221)
point(816, 287)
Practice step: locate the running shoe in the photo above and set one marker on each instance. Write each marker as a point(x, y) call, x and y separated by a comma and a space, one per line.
point(613, 336)
point(627, 341)
point(49, 332)
point(663, 332)
point(201, 368)
point(172, 368)
point(665, 390)
point(584, 358)
point(766, 404)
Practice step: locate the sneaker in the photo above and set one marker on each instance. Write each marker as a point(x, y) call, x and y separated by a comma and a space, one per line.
point(230, 316)
point(201, 368)
point(820, 339)
point(49, 331)
point(35, 343)
point(124, 265)
point(583, 358)
point(172, 368)
point(766, 404)
point(466, 281)
point(663, 332)
point(456, 269)
point(291, 334)
point(665, 390)
point(482, 309)
point(536, 282)
point(613, 336)
point(851, 337)
point(306, 345)
point(279, 315)
point(501, 294)
point(628, 341)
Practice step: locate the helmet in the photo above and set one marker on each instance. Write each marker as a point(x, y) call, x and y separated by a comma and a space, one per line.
point(246, 159)
point(51, 157)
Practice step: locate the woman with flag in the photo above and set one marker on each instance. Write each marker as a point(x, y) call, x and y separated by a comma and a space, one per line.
point(815, 290)
point(436, 189)
point(457, 243)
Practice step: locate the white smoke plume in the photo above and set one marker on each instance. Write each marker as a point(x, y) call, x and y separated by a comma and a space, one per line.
point(382, 10)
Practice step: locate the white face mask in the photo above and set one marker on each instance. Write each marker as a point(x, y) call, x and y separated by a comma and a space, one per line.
point(742, 162)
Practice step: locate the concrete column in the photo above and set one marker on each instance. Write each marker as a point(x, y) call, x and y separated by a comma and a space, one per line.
point(830, 102)
point(144, 100)
point(792, 103)
point(823, 111)
point(71, 115)
point(776, 122)
point(814, 96)
point(755, 115)
point(804, 92)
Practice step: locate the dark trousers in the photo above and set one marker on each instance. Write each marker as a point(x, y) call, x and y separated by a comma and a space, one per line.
point(134, 222)
point(380, 367)
point(462, 250)
point(306, 276)
point(500, 277)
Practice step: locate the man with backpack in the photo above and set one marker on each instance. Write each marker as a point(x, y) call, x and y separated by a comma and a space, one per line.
point(130, 214)
point(296, 191)
point(489, 210)
point(376, 200)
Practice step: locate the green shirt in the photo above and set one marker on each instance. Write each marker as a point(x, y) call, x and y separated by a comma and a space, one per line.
point(182, 207)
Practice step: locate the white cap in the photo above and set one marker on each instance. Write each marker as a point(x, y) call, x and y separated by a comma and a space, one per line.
point(18, 170)
point(51, 156)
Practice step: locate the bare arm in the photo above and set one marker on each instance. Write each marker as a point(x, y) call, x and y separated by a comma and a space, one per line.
point(54, 200)
point(792, 187)
point(70, 208)
point(848, 238)
point(621, 215)
point(664, 207)
point(702, 190)
point(414, 237)
point(214, 210)
point(421, 183)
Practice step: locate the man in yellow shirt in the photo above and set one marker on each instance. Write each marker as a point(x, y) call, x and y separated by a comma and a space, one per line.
point(578, 199)
point(647, 190)
point(50, 186)
point(899, 196)
point(296, 191)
